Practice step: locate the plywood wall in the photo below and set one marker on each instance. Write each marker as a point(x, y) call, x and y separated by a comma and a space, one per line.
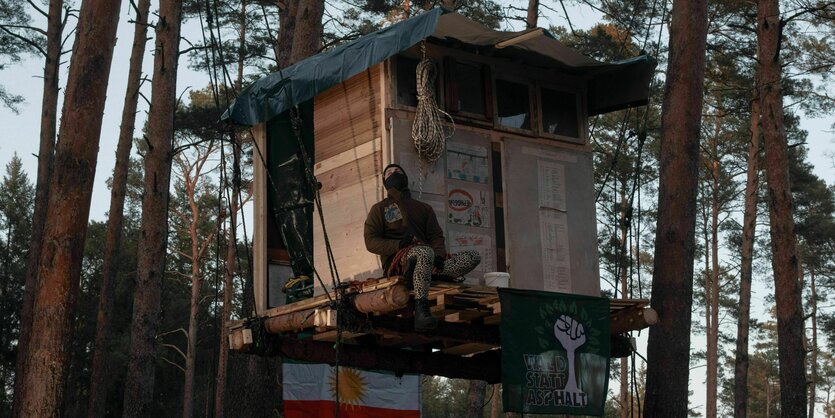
point(470, 226)
point(550, 212)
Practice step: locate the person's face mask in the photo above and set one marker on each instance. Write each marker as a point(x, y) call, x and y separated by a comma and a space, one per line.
point(396, 180)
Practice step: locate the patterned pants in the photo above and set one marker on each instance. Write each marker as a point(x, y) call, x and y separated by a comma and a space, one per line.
point(455, 266)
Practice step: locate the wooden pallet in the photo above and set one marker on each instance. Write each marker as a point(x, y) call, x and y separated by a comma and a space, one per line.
point(468, 319)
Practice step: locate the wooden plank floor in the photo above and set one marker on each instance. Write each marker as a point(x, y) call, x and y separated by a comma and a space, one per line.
point(468, 319)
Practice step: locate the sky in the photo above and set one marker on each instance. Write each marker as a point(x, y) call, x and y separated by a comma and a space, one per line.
point(19, 132)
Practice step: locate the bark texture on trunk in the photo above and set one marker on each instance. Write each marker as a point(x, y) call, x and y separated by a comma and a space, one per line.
point(475, 399)
point(228, 276)
point(713, 277)
point(813, 360)
point(307, 38)
point(749, 223)
point(68, 207)
point(623, 226)
point(139, 384)
point(99, 375)
point(49, 118)
point(533, 13)
point(790, 324)
point(286, 30)
point(193, 170)
point(672, 282)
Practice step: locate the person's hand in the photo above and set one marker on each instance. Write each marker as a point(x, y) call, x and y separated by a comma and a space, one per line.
point(406, 241)
point(439, 262)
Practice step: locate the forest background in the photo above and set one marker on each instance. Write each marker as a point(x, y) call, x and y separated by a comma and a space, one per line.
point(603, 29)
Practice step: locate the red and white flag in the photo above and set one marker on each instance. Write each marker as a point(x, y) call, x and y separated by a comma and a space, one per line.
point(310, 392)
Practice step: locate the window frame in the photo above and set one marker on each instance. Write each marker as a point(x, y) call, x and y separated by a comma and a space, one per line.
point(578, 93)
point(532, 106)
point(450, 63)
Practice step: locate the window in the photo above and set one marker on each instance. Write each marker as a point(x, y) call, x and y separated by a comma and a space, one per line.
point(513, 104)
point(559, 113)
point(469, 82)
point(406, 81)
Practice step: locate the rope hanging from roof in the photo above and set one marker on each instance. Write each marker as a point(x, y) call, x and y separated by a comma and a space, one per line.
point(429, 132)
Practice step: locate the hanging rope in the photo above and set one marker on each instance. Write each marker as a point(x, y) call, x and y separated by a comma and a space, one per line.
point(429, 131)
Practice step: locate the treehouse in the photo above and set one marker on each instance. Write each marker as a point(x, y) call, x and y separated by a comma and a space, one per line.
point(514, 182)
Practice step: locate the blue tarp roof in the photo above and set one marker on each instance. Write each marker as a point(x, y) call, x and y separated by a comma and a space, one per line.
point(612, 86)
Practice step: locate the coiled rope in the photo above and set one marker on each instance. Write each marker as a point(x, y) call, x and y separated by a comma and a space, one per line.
point(429, 132)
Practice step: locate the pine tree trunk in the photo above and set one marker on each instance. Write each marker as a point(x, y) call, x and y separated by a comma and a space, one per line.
point(242, 29)
point(100, 374)
point(139, 384)
point(68, 208)
point(533, 14)
point(307, 38)
point(192, 172)
point(495, 409)
point(475, 399)
point(229, 274)
point(749, 223)
point(668, 348)
point(188, 386)
point(790, 325)
point(49, 118)
point(712, 381)
point(232, 242)
point(813, 361)
point(624, 293)
point(286, 31)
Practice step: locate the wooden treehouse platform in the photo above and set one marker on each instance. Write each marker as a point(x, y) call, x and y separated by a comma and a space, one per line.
point(376, 329)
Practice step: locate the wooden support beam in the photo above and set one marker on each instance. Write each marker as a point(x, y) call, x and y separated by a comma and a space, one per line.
point(384, 300)
point(293, 321)
point(634, 318)
point(477, 333)
point(483, 366)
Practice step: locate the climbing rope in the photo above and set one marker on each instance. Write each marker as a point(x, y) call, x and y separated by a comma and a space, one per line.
point(429, 132)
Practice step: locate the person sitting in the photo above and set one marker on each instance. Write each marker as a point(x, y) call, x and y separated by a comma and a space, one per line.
point(406, 235)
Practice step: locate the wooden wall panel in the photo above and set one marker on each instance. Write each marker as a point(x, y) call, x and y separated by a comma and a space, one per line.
point(345, 210)
point(350, 173)
point(348, 114)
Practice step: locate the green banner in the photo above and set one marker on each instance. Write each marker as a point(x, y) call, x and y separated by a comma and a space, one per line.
point(555, 352)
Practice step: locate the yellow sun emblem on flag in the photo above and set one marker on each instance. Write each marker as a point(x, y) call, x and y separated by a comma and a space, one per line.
point(351, 386)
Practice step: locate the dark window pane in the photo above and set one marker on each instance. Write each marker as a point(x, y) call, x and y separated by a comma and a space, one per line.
point(559, 113)
point(470, 81)
point(514, 105)
point(406, 81)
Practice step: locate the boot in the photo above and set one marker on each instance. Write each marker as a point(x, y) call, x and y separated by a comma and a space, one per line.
point(424, 321)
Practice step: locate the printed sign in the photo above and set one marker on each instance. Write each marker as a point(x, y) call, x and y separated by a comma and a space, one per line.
point(551, 185)
point(556, 260)
point(467, 162)
point(483, 244)
point(466, 206)
point(555, 352)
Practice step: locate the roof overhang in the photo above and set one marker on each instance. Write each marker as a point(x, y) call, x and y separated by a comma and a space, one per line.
point(611, 86)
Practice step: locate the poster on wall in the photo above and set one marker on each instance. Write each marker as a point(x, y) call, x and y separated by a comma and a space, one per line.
point(423, 177)
point(467, 162)
point(556, 264)
point(468, 206)
point(551, 185)
point(482, 243)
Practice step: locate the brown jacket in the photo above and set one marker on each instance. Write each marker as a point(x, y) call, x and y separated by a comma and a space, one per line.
point(396, 216)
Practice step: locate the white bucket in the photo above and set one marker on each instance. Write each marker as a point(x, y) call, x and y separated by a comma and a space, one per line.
point(497, 279)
